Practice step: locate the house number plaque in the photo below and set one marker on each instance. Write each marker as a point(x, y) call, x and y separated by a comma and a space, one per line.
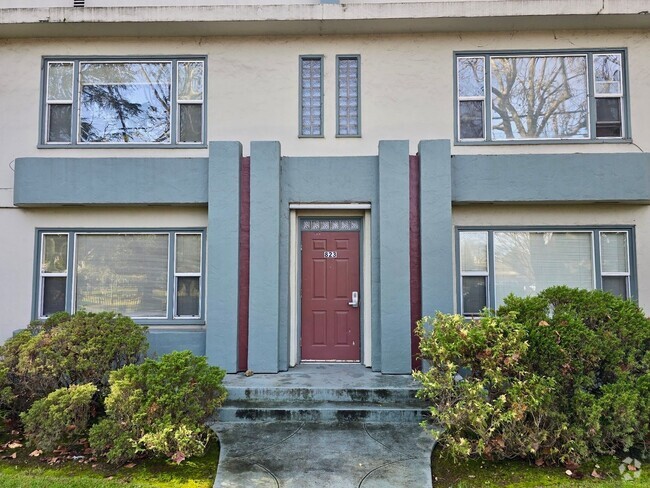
point(329, 254)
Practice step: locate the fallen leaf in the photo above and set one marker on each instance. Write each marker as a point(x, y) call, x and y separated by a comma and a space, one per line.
point(597, 475)
point(35, 453)
point(178, 457)
point(569, 472)
point(572, 465)
point(631, 467)
point(109, 478)
point(248, 373)
point(13, 456)
point(71, 427)
point(14, 445)
point(543, 323)
point(130, 465)
point(539, 462)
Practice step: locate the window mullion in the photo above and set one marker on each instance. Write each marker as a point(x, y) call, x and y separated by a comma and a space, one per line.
point(487, 110)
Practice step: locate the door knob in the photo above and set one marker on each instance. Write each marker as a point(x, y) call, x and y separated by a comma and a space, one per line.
point(355, 299)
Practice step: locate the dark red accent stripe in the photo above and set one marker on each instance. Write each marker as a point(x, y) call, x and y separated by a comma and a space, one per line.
point(244, 262)
point(415, 256)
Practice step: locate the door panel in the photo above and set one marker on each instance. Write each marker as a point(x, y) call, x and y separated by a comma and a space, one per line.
point(330, 273)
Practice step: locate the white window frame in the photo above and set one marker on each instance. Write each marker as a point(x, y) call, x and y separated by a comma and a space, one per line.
point(477, 98)
point(49, 103)
point(180, 102)
point(627, 273)
point(43, 275)
point(485, 274)
point(198, 275)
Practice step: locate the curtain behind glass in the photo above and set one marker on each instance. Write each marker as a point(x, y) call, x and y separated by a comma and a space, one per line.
point(122, 273)
point(528, 262)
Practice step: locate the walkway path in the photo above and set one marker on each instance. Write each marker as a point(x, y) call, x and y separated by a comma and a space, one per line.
point(323, 455)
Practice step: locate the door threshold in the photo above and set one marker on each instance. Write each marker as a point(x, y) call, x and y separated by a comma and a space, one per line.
point(330, 361)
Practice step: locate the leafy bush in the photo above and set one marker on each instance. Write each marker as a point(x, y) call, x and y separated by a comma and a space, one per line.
point(562, 376)
point(483, 397)
point(66, 350)
point(160, 408)
point(60, 417)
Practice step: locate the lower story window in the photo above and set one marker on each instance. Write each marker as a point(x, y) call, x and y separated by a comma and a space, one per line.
point(144, 275)
point(494, 263)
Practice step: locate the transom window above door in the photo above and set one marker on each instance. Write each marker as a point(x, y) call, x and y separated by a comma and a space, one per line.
point(123, 102)
point(541, 96)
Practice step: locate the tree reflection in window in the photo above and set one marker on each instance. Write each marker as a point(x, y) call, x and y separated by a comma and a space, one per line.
point(539, 97)
point(125, 102)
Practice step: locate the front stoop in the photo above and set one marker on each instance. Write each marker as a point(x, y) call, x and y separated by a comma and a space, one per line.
point(322, 393)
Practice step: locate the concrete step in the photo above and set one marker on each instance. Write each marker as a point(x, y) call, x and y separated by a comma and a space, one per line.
point(243, 411)
point(289, 394)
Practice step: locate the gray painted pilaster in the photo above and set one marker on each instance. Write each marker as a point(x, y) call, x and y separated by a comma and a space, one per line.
point(264, 292)
point(222, 278)
point(395, 297)
point(436, 228)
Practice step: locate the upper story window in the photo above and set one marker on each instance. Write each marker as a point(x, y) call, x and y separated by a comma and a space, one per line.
point(540, 96)
point(311, 96)
point(124, 102)
point(347, 101)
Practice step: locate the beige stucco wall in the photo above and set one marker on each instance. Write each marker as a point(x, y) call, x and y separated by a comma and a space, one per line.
point(406, 90)
point(406, 93)
point(570, 215)
point(17, 246)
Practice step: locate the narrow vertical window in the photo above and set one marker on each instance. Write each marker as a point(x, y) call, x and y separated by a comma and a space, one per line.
point(59, 102)
point(311, 96)
point(614, 263)
point(473, 271)
point(187, 273)
point(608, 86)
point(471, 98)
point(54, 273)
point(347, 104)
point(190, 101)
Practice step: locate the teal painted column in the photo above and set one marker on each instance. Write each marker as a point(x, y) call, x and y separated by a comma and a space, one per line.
point(436, 227)
point(223, 254)
point(395, 297)
point(264, 292)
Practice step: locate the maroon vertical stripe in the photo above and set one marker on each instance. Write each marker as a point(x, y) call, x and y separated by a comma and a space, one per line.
point(415, 255)
point(244, 262)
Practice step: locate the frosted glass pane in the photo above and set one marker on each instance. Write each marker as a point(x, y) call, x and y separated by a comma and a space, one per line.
point(539, 97)
point(190, 80)
point(188, 253)
point(55, 253)
point(473, 251)
point(613, 250)
point(59, 81)
point(124, 273)
point(528, 262)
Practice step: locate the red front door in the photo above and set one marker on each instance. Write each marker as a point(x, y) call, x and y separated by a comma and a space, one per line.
point(330, 274)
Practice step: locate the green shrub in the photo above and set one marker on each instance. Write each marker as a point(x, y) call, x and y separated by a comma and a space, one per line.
point(562, 376)
point(480, 392)
point(159, 408)
point(66, 350)
point(59, 418)
point(596, 347)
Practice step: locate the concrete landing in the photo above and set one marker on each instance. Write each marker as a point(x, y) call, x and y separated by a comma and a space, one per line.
point(323, 455)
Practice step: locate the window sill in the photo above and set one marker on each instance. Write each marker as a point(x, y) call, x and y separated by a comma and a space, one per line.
point(531, 142)
point(122, 146)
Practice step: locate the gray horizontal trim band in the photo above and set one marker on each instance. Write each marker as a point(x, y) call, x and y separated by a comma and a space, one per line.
point(110, 181)
point(550, 178)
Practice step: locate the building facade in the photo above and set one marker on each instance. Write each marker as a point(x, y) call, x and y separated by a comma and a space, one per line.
point(278, 182)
